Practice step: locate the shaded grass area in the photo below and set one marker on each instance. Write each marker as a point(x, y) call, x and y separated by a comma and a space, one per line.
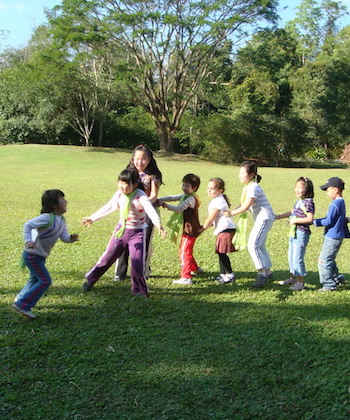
point(205, 351)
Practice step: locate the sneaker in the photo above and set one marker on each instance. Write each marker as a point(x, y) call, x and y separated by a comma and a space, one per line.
point(287, 282)
point(141, 295)
point(183, 280)
point(297, 286)
point(339, 279)
point(326, 289)
point(260, 281)
point(28, 314)
point(270, 276)
point(87, 286)
point(198, 272)
point(118, 278)
point(226, 278)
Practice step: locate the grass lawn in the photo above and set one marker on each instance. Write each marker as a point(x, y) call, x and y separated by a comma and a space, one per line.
point(206, 351)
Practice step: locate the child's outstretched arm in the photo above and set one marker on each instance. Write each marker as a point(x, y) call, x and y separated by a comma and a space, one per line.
point(243, 207)
point(189, 202)
point(283, 215)
point(104, 211)
point(209, 221)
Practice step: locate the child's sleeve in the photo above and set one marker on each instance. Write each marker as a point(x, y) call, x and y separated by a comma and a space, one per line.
point(150, 210)
point(171, 198)
point(330, 219)
point(36, 223)
point(65, 237)
point(189, 202)
point(107, 209)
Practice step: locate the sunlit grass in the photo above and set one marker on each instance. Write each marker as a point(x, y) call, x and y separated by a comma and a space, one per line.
point(206, 351)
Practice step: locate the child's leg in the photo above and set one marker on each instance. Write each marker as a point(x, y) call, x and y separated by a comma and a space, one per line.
point(114, 249)
point(137, 250)
point(299, 250)
point(149, 248)
point(39, 282)
point(326, 262)
point(121, 265)
point(225, 264)
point(187, 261)
point(256, 245)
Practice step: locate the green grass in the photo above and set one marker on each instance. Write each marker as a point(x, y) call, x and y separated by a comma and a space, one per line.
point(207, 352)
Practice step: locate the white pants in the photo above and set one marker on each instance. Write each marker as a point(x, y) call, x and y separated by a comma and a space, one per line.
point(256, 244)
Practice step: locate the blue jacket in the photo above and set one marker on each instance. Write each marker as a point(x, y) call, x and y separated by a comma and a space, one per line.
point(335, 222)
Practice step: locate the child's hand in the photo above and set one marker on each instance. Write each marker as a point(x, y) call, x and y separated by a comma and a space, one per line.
point(74, 237)
point(227, 213)
point(87, 221)
point(28, 245)
point(162, 232)
point(201, 230)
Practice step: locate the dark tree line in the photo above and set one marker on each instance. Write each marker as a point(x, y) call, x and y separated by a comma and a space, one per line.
point(171, 74)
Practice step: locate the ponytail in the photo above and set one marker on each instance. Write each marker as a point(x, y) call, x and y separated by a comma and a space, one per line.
point(251, 168)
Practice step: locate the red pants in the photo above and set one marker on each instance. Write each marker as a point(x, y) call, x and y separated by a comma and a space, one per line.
point(188, 263)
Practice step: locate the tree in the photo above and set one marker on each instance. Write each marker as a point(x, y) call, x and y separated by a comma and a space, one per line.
point(169, 43)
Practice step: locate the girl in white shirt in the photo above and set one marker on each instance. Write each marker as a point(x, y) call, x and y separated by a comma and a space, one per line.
point(254, 199)
point(224, 228)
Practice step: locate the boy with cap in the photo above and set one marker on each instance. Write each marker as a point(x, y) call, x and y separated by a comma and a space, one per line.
point(336, 230)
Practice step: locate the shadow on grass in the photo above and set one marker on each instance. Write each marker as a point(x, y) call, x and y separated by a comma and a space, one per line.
point(177, 356)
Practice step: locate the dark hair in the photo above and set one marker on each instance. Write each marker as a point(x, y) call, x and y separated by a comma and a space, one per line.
point(220, 185)
point(251, 168)
point(152, 168)
point(49, 200)
point(309, 188)
point(130, 176)
point(193, 180)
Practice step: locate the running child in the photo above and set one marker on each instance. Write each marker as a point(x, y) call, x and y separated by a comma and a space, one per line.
point(129, 233)
point(300, 219)
point(150, 180)
point(336, 229)
point(254, 199)
point(185, 216)
point(224, 228)
point(40, 235)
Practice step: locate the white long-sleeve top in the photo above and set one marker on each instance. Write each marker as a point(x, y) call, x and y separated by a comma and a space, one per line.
point(45, 238)
point(140, 206)
point(189, 202)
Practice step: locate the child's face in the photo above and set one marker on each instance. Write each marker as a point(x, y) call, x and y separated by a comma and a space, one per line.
point(61, 206)
point(126, 188)
point(187, 188)
point(300, 189)
point(213, 190)
point(243, 176)
point(141, 161)
point(333, 192)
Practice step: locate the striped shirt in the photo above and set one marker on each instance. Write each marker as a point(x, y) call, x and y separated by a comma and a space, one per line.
point(309, 206)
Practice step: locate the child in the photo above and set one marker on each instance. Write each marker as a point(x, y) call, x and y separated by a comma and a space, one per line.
point(253, 198)
point(186, 215)
point(129, 233)
point(301, 217)
point(150, 180)
point(336, 230)
point(224, 228)
point(48, 227)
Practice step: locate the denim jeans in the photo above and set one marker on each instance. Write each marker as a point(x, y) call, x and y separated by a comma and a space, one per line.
point(38, 283)
point(296, 253)
point(327, 266)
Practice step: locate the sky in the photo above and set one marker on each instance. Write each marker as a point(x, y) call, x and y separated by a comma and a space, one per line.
point(19, 18)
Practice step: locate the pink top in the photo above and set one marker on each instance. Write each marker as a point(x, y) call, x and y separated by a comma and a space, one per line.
point(140, 206)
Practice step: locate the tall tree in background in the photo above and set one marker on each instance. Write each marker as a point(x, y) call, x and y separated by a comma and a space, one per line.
point(315, 24)
point(170, 45)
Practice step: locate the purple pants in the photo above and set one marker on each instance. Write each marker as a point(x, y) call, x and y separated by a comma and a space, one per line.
point(134, 241)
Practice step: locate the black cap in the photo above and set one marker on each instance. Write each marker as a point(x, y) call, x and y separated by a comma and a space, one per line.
point(333, 182)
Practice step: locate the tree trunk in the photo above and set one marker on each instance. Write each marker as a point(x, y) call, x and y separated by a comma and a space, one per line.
point(166, 137)
point(100, 133)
